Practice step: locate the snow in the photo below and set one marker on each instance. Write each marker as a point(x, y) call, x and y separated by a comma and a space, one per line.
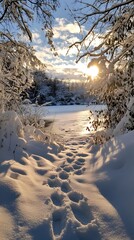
point(67, 188)
point(69, 120)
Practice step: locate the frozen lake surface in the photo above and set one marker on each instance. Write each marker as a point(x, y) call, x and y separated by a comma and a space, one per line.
point(69, 119)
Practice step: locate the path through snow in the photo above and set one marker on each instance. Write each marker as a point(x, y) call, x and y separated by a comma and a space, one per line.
point(48, 192)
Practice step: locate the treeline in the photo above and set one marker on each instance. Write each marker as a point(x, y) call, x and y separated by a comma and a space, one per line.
point(45, 90)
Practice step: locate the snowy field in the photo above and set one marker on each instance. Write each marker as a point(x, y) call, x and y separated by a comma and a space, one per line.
point(66, 190)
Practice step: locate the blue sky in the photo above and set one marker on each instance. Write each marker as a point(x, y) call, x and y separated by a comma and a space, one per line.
point(66, 32)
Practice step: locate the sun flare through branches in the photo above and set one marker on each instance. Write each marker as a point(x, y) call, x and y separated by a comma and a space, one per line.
point(93, 71)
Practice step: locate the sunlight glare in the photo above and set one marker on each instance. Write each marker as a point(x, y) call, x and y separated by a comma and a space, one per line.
point(93, 71)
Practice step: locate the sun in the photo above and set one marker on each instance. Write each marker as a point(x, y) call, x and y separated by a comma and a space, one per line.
point(93, 71)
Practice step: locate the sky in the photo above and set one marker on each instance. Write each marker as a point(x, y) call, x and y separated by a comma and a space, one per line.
point(66, 32)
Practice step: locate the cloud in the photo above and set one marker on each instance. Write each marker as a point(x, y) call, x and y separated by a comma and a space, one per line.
point(72, 39)
point(63, 66)
point(36, 37)
point(66, 71)
point(62, 26)
point(43, 56)
point(23, 38)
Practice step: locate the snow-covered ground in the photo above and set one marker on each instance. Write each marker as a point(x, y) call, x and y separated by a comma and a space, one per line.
point(68, 120)
point(71, 190)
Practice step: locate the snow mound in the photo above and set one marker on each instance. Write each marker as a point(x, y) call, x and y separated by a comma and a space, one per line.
point(114, 167)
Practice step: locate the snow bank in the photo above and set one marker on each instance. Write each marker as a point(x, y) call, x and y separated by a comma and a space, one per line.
point(113, 164)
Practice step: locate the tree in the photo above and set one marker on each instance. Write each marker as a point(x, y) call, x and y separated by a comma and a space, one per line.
point(20, 13)
point(16, 58)
point(16, 62)
point(109, 43)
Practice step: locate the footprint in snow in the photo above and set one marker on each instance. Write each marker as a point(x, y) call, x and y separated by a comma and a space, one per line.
point(41, 171)
point(41, 231)
point(60, 155)
point(75, 196)
point(75, 166)
point(82, 212)
point(58, 169)
point(35, 157)
point(82, 155)
point(14, 175)
point(8, 194)
point(74, 143)
point(64, 164)
point(53, 176)
point(80, 161)
point(65, 187)
point(82, 142)
point(73, 149)
point(18, 170)
point(54, 183)
point(57, 198)
point(79, 171)
point(70, 160)
point(23, 161)
point(59, 221)
point(68, 169)
point(69, 154)
point(63, 175)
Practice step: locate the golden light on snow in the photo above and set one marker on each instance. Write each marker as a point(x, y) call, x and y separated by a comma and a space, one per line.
point(93, 71)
